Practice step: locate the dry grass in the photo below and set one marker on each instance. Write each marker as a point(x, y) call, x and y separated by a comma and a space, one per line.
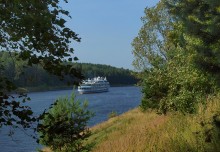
point(136, 131)
point(46, 149)
point(128, 132)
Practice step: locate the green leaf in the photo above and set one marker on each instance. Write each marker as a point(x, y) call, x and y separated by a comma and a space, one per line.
point(70, 59)
point(76, 59)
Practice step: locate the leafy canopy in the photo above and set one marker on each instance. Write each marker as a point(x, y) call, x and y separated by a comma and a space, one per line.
point(200, 20)
point(35, 32)
point(167, 63)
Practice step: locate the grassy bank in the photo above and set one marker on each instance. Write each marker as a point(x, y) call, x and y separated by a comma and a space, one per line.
point(174, 132)
point(150, 132)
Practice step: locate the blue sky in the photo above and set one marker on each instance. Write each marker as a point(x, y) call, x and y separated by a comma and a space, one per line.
point(107, 28)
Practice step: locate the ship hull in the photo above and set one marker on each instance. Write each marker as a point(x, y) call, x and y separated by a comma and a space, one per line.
point(92, 91)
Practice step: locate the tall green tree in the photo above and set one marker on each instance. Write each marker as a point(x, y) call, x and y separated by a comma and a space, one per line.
point(170, 77)
point(150, 49)
point(34, 31)
point(201, 22)
point(150, 54)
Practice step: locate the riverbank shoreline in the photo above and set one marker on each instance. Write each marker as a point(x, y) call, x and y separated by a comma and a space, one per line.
point(136, 130)
point(45, 89)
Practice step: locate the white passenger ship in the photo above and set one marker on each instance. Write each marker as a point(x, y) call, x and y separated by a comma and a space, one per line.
point(95, 85)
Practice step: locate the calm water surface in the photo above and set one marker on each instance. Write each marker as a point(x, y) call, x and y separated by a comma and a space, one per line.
point(119, 99)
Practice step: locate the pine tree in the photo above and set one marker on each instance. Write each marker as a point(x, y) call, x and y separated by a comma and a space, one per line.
point(64, 126)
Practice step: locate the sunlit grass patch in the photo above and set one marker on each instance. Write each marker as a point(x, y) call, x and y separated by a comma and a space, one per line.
point(138, 131)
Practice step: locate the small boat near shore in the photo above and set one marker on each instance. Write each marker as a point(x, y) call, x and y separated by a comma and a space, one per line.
point(94, 85)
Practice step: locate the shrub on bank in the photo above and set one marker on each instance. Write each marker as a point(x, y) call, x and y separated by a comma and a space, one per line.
point(64, 125)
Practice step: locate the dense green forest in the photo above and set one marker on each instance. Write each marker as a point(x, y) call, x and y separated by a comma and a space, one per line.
point(35, 77)
point(116, 76)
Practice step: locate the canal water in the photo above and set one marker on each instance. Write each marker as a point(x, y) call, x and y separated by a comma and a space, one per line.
point(118, 99)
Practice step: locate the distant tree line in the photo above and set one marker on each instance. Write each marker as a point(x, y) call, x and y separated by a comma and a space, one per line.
point(22, 75)
point(36, 77)
point(116, 76)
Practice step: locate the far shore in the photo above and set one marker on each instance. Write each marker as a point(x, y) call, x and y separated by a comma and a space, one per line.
point(48, 88)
